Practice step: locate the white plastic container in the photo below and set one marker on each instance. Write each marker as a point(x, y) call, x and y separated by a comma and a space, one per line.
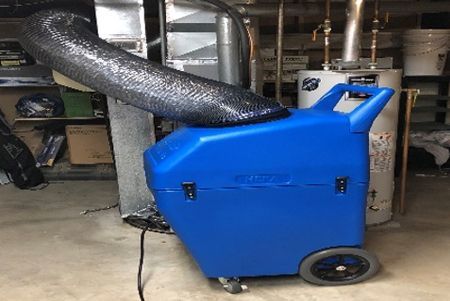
point(425, 51)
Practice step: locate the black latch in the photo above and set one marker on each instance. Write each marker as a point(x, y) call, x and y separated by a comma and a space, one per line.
point(190, 190)
point(341, 184)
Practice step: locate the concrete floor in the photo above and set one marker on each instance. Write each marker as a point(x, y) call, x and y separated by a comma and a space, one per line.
point(48, 251)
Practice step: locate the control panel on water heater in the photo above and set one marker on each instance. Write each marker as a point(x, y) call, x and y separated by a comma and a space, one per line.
point(366, 80)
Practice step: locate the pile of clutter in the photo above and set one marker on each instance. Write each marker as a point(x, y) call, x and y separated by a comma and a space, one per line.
point(17, 163)
point(436, 143)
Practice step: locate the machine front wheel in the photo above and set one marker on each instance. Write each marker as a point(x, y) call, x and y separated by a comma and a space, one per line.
point(233, 285)
point(339, 266)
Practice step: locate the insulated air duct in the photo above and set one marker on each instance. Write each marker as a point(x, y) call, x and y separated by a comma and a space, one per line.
point(62, 40)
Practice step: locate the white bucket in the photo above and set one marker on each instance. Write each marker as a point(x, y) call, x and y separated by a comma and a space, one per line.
point(425, 51)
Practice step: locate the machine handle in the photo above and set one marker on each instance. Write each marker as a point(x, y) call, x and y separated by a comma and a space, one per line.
point(362, 117)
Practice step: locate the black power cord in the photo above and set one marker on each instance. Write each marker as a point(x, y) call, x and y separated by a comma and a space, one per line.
point(99, 209)
point(154, 223)
point(140, 287)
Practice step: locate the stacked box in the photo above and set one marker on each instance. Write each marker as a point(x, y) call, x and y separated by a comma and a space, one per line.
point(291, 65)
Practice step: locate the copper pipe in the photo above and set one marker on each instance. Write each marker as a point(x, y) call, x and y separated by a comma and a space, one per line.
point(376, 9)
point(256, 63)
point(410, 97)
point(280, 33)
point(327, 35)
point(373, 50)
point(375, 29)
point(326, 26)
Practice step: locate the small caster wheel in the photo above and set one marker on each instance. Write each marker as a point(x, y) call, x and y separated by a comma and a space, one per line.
point(232, 285)
point(339, 266)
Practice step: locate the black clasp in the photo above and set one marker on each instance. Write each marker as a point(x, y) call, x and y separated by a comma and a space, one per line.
point(190, 190)
point(341, 185)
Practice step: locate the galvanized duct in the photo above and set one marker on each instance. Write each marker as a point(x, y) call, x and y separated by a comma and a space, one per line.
point(227, 50)
point(62, 40)
point(351, 48)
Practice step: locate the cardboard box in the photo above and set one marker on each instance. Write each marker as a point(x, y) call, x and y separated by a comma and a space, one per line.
point(290, 62)
point(265, 52)
point(288, 76)
point(88, 144)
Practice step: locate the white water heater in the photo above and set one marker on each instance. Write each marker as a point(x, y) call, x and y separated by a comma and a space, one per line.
point(312, 84)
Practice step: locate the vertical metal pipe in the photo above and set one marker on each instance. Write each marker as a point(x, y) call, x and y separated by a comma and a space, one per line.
point(327, 34)
point(411, 94)
point(227, 50)
point(162, 30)
point(256, 62)
point(280, 33)
point(327, 9)
point(375, 28)
point(353, 31)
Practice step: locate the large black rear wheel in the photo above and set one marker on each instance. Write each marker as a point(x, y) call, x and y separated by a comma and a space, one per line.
point(339, 266)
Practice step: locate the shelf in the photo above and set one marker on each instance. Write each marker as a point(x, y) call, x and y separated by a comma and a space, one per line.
point(431, 109)
point(26, 85)
point(430, 126)
point(64, 171)
point(424, 97)
point(55, 118)
point(429, 78)
point(269, 81)
point(36, 71)
point(26, 76)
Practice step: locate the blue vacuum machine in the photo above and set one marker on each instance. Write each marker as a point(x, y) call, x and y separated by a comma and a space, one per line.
point(282, 197)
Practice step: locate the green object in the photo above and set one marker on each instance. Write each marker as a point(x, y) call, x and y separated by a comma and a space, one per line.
point(77, 104)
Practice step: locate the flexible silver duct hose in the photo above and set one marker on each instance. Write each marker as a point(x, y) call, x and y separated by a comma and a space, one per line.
point(62, 40)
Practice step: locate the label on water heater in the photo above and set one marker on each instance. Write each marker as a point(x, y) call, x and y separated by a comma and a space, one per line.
point(381, 151)
point(367, 80)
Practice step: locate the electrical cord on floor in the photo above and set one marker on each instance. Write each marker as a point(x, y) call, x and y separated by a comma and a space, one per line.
point(41, 186)
point(155, 222)
point(140, 287)
point(99, 209)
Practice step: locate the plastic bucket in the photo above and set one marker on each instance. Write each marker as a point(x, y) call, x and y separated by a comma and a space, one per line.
point(425, 51)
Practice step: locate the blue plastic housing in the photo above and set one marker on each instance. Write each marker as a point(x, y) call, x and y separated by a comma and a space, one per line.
point(266, 195)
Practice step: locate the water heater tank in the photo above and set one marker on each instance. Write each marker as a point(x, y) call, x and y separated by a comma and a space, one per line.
point(312, 84)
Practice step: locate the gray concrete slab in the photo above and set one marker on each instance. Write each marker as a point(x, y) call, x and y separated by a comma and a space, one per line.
point(48, 251)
